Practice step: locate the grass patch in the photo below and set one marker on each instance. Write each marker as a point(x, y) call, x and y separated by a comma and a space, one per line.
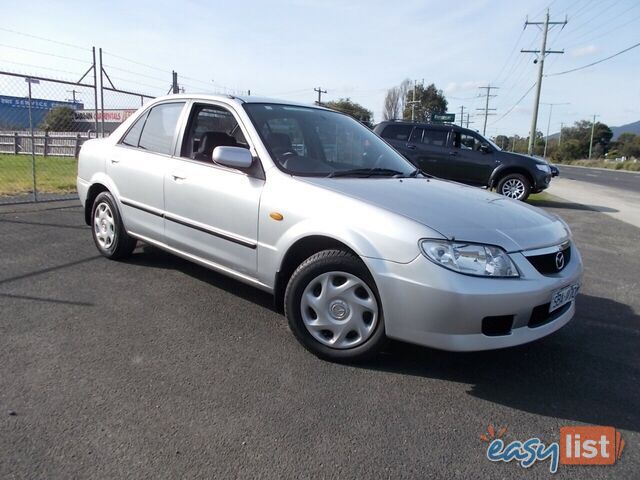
point(539, 197)
point(53, 174)
point(630, 165)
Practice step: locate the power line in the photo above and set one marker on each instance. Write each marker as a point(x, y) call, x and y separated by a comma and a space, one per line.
point(594, 63)
point(515, 104)
point(45, 39)
point(607, 32)
point(38, 52)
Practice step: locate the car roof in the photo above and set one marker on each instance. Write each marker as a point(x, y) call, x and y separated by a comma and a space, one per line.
point(433, 126)
point(237, 99)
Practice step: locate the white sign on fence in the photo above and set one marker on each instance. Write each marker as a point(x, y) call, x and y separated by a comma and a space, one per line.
point(115, 116)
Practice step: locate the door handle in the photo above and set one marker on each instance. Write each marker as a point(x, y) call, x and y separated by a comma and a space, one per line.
point(411, 147)
point(177, 177)
point(114, 160)
point(453, 152)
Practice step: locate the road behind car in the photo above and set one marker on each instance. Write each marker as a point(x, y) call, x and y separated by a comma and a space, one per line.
point(156, 367)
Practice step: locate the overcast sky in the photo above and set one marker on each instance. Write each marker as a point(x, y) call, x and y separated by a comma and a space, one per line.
point(356, 49)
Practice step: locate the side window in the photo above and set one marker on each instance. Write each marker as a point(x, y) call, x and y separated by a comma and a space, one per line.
point(397, 132)
point(467, 142)
point(435, 138)
point(211, 126)
point(132, 138)
point(159, 129)
point(416, 135)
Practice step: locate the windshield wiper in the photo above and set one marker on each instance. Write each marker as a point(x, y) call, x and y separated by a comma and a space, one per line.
point(365, 172)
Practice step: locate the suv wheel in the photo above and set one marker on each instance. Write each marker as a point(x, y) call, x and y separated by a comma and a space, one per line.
point(514, 185)
point(333, 307)
point(108, 231)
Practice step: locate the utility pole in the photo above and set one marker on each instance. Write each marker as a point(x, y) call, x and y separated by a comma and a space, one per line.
point(413, 102)
point(513, 143)
point(174, 82)
point(593, 127)
point(560, 138)
point(468, 122)
point(546, 138)
point(541, 54)
point(73, 94)
point(320, 92)
point(461, 114)
point(486, 108)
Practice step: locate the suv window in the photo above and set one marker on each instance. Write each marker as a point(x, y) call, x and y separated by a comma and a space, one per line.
point(465, 141)
point(211, 126)
point(397, 132)
point(159, 129)
point(416, 135)
point(435, 138)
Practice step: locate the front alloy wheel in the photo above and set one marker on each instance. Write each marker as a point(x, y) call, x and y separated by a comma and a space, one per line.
point(514, 186)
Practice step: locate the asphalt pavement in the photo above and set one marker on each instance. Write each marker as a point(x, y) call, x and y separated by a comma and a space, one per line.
point(609, 178)
point(157, 368)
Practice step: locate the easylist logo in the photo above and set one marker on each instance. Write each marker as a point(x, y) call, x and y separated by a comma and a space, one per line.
point(577, 446)
point(590, 445)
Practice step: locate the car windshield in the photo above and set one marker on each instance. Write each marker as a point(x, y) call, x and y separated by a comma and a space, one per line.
point(315, 142)
point(491, 142)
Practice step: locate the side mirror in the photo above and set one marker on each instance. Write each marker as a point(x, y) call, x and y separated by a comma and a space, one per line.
point(484, 148)
point(233, 157)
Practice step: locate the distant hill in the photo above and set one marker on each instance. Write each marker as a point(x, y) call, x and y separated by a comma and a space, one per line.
point(633, 127)
point(628, 128)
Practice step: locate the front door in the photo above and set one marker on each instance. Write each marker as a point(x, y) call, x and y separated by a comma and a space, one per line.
point(473, 165)
point(212, 210)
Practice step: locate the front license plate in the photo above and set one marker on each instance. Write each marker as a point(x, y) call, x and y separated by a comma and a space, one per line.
point(563, 296)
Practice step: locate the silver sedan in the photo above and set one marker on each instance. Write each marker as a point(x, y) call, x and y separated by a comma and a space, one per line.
point(355, 244)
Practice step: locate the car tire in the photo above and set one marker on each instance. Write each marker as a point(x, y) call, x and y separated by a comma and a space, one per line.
point(514, 185)
point(333, 307)
point(107, 228)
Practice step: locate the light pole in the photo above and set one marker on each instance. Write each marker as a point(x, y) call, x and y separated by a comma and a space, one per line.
point(546, 139)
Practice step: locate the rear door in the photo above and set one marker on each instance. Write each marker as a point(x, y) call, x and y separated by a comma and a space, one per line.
point(137, 166)
point(397, 134)
point(429, 150)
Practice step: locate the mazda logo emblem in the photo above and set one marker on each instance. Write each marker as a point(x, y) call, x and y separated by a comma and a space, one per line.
point(559, 261)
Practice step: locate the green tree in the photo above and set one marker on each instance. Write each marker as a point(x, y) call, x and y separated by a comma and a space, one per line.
point(59, 119)
point(430, 101)
point(357, 111)
point(628, 145)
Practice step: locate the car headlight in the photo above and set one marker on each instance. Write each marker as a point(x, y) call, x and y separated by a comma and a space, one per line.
point(545, 168)
point(470, 258)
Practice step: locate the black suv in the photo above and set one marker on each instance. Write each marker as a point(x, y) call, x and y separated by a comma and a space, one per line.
point(460, 154)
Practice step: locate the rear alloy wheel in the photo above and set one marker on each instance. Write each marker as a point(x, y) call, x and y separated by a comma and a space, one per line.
point(514, 185)
point(108, 231)
point(333, 308)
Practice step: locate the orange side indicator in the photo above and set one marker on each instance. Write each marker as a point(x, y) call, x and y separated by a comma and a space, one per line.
point(276, 216)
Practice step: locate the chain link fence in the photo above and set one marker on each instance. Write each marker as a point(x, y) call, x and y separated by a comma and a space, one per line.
point(43, 124)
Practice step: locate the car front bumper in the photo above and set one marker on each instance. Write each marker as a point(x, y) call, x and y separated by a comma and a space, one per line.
point(429, 305)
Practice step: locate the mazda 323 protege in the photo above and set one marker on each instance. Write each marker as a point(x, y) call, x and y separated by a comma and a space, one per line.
point(353, 242)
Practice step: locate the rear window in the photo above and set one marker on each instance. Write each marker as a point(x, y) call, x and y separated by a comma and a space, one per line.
point(159, 129)
point(436, 138)
point(397, 132)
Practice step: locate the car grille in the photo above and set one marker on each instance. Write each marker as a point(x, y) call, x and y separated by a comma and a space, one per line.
point(547, 264)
